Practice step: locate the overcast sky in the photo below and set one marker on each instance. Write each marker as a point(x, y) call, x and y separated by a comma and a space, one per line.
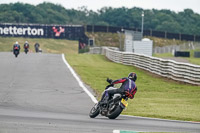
point(173, 5)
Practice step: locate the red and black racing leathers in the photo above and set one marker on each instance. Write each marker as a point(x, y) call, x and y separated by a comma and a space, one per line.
point(128, 85)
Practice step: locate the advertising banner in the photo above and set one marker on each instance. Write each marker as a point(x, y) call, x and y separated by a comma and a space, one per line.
point(71, 32)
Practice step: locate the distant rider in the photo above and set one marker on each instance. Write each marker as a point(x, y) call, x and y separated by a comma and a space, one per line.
point(127, 88)
point(26, 45)
point(37, 45)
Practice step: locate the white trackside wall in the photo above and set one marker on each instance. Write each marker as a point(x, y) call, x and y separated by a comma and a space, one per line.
point(134, 43)
point(143, 47)
point(183, 72)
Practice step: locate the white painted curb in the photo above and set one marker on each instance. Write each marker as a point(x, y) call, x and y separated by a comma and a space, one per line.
point(78, 80)
point(116, 131)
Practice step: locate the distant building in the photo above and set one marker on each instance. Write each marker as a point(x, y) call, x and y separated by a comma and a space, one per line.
point(134, 43)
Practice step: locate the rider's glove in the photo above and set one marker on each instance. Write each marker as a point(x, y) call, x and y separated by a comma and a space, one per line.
point(109, 80)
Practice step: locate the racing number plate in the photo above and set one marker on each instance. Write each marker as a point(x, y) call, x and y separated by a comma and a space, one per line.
point(124, 102)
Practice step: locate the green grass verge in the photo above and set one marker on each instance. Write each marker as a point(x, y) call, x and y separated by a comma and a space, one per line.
point(190, 59)
point(163, 55)
point(156, 97)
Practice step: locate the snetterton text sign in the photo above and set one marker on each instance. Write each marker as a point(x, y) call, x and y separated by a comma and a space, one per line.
point(72, 32)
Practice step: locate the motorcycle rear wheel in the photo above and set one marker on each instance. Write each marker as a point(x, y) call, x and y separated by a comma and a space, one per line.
point(115, 113)
point(94, 111)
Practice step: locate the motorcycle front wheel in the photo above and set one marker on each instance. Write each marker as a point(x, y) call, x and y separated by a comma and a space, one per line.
point(26, 51)
point(16, 54)
point(94, 111)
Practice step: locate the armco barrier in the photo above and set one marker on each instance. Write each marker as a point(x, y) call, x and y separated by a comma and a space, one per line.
point(95, 50)
point(183, 72)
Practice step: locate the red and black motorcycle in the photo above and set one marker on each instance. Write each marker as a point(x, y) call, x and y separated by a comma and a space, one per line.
point(112, 108)
point(26, 48)
point(16, 51)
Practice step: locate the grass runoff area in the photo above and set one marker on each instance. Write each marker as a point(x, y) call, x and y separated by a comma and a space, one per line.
point(190, 59)
point(156, 97)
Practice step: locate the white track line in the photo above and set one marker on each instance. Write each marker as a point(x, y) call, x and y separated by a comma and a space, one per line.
point(78, 80)
point(116, 131)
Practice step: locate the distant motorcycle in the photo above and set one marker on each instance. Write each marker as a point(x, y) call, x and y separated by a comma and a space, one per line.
point(111, 109)
point(16, 51)
point(37, 45)
point(26, 50)
point(26, 47)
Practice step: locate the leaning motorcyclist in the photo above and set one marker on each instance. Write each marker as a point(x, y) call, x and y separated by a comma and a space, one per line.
point(16, 46)
point(26, 45)
point(128, 87)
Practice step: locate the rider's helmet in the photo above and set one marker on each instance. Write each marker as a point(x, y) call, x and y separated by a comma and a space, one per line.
point(26, 41)
point(132, 76)
point(16, 42)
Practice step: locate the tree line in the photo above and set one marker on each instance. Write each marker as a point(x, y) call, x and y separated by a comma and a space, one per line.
point(185, 22)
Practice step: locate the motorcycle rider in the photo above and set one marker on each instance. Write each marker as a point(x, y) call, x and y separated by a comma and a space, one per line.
point(16, 46)
point(26, 45)
point(37, 45)
point(128, 87)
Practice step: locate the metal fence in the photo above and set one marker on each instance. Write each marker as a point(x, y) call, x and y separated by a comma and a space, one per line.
point(161, 34)
point(183, 72)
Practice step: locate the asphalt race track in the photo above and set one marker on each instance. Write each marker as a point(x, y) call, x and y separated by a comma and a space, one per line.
point(39, 94)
